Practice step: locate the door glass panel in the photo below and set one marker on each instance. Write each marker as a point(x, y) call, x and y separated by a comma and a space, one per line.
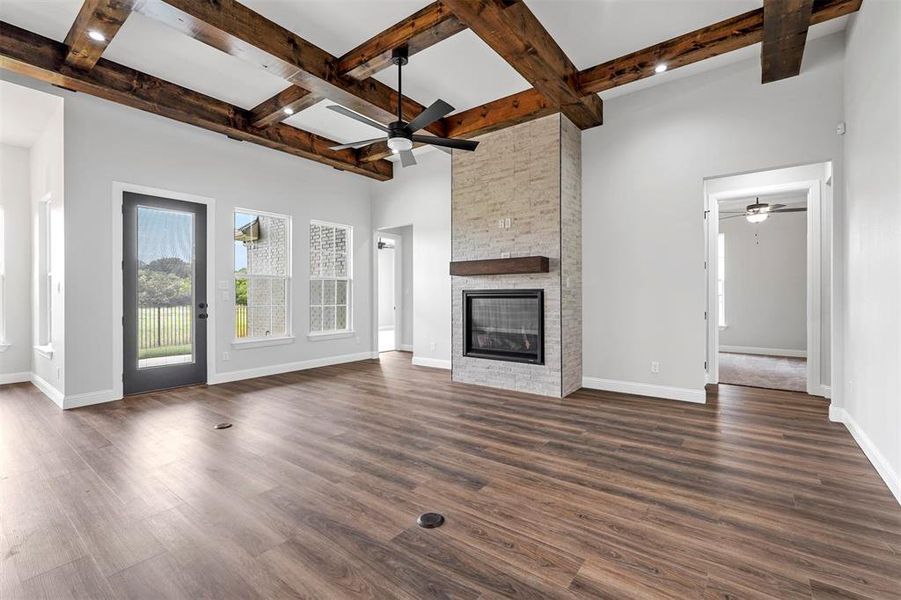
point(165, 287)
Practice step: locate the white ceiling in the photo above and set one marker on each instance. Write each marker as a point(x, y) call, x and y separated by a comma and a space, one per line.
point(461, 70)
point(24, 113)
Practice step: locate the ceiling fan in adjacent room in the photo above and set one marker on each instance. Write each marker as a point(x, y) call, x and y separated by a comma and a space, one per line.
point(400, 134)
point(759, 211)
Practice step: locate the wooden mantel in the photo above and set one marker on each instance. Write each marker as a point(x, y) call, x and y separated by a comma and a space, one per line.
point(501, 266)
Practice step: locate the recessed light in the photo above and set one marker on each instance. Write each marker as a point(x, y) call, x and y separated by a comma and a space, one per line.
point(660, 68)
point(288, 110)
point(96, 36)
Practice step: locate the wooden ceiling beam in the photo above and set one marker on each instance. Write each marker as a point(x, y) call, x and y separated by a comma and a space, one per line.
point(785, 24)
point(287, 102)
point(422, 29)
point(516, 34)
point(235, 29)
point(728, 35)
point(41, 58)
point(101, 18)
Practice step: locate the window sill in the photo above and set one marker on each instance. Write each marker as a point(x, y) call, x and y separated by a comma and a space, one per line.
point(334, 335)
point(262, 342)
point(45, 351)
point(723, 327)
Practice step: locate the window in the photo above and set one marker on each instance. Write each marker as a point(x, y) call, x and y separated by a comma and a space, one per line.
point(721, 279)
point(45, 277)
point(262, 275)
point(330, 278)
point(3, 344)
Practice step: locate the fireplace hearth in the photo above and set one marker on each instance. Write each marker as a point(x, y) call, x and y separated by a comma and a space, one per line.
point(504, 325)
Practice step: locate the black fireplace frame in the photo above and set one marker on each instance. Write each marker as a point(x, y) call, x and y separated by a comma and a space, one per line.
point(534, 294)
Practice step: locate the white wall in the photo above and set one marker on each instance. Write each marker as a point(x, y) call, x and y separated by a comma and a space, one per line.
point(766, 282)
point(871, 374)
point(105, 142)
point(643, 202)
point(420, 197)
point(15, 361)
point(405, 234)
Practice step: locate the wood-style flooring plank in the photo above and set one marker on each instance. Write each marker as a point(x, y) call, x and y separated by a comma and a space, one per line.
point(315, 490)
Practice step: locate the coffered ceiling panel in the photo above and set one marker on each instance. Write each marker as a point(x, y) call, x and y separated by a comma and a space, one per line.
point(149, 46)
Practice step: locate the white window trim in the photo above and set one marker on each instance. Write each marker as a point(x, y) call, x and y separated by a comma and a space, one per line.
point(349, 331)
point(277, 340)
point(45, 327)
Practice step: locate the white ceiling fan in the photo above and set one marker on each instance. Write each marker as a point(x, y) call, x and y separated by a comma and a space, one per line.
point(758, 212)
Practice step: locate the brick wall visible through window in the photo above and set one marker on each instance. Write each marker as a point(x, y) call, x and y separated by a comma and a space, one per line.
point(262, 275)
point(330, 277)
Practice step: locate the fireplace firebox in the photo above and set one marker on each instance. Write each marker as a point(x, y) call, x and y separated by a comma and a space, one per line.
point(504, 325)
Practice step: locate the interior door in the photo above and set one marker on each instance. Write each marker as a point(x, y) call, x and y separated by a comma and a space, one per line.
point(164, 285)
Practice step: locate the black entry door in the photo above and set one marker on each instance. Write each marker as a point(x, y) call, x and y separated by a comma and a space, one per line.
point(164, 284)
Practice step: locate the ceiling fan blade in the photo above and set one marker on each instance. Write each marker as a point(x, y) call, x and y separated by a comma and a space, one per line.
point(732, 212)
point(437, 110)
point(357, 144)
point(773, 207)
point(785, 210)
point(731, 217)
point(406, 158)
point(349, 113)
point(469, 145)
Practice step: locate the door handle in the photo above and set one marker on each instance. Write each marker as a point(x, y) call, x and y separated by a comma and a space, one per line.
point(202, 316)
point(202, 305)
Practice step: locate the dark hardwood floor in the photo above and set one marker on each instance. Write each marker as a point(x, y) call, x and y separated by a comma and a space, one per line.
point(315, 490)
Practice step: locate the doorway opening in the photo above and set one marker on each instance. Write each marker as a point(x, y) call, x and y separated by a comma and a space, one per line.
point(769, 279)
point(394, 289)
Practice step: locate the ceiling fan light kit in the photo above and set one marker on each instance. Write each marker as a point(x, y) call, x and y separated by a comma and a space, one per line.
point(760, 211)
point(400, 134)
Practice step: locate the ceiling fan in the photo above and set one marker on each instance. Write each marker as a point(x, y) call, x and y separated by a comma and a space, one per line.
point(759, 211)
point(400, 134)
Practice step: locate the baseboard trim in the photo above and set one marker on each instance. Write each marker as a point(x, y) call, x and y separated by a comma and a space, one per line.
point(645, 389)
point(764, 351)
point(48, 390)
point(826, 392)
point(879, 462)
point(229, 376)
point(15, 377)
point(89, 399)
point(406, 348)
point(435, 363)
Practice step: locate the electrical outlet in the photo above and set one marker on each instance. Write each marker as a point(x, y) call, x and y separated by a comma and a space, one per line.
point(507, 223)
point(433, 346)
point(655, 366)
point(225, 356)
point(505, 255)
point(500, 223)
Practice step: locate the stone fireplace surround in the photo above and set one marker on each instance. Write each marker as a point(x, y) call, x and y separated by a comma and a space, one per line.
point(531, 175)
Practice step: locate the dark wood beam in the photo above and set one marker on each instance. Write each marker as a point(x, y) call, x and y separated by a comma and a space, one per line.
point(99, 17)
point(41, 58)
point(422, 29)
point(293, 99)
point(785, 24)
point(510, 28)
point(728, 35)
point(233, 28)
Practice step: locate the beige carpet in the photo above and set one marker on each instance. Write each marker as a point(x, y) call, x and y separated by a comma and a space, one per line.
point(772, 372)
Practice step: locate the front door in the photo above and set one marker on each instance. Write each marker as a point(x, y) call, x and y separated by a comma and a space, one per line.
point(164, 284)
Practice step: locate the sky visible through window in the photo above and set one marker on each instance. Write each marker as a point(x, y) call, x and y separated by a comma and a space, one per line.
point(165, 234)
point(241, 219)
